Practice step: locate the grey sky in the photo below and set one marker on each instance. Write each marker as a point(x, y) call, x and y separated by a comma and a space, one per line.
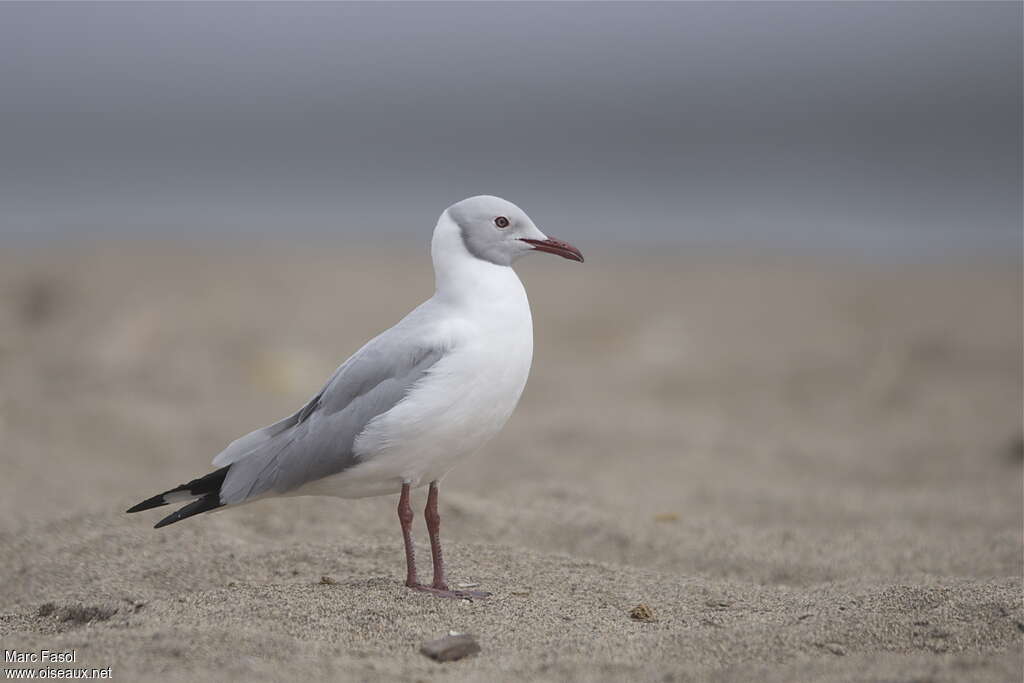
point(868, 124)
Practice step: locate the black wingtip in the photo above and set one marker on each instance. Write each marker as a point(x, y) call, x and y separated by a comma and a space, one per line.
point(210, 484)
point(148, 504)
point(204, 504)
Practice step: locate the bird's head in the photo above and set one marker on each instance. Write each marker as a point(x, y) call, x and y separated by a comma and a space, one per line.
point(498, 231)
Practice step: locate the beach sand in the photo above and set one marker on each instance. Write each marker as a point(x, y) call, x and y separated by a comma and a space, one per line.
point(807, 469)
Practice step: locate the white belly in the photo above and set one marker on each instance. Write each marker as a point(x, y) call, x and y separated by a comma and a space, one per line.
point(463, 401)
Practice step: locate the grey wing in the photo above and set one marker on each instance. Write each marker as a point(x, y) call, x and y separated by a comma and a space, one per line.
point(318, 440)
point(246, 445)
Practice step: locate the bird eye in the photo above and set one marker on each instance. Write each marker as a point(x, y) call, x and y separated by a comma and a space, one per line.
point(501, 222)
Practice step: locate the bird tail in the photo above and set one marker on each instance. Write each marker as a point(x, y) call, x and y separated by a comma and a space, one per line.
point(204, 493)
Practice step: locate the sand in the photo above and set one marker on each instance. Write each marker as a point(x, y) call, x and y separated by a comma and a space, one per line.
point(805, 468)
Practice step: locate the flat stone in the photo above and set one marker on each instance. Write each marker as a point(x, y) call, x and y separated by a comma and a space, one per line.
point(450, 648)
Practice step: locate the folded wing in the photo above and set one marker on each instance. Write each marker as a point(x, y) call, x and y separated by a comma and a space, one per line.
point(317, 441)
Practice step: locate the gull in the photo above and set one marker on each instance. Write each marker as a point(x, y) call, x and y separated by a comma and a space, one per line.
point(414, 401)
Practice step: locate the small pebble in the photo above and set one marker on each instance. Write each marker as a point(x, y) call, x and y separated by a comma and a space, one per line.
point(641, 613)
point(450, 647)
point(327, 581)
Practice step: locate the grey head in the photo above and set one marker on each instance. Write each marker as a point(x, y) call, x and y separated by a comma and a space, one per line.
point(496, 230)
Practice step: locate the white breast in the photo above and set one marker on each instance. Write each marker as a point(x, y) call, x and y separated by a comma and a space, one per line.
point(463, 401)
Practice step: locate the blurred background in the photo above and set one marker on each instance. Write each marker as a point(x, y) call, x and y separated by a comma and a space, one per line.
point(878, 126)
point(793, 357)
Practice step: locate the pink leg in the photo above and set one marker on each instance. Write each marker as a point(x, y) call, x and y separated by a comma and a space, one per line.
point(439, 586)
point(405, 517)
point(434, 530)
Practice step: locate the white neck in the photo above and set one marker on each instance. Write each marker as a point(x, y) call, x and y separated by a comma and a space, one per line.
point(460, 277)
